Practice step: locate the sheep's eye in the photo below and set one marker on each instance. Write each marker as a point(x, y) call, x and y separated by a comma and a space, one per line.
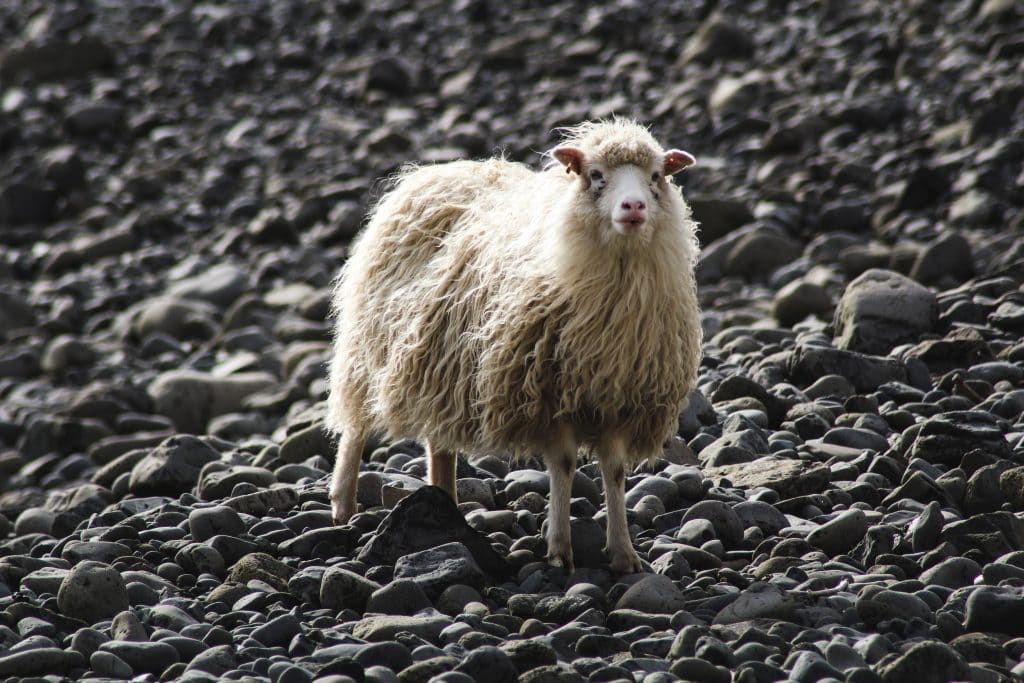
point(596, 175)
point(655, 177)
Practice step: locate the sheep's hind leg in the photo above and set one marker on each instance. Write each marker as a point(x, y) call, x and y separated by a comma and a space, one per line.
point(346, 475)
point(624, 559)
point(561, 464)
point(441, 468)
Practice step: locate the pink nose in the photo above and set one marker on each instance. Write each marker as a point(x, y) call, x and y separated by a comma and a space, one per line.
point(633, 205)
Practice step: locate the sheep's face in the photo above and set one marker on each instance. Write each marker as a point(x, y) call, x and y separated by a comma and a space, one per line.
point(625, 197)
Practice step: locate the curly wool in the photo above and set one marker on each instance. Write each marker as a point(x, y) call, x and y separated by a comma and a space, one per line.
point(484, 306)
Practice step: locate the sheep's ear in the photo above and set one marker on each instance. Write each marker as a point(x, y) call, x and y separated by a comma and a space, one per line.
point(570, 157)
point(676, 160)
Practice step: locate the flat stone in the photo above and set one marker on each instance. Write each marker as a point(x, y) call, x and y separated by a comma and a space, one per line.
point(437, 568)
point(383, 628)
point(790, 478)
point(92, 591)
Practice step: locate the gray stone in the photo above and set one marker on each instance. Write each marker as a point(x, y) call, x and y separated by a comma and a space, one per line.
point(881, 309)
point(929, 661)
point(191, 398)
point(728, 526)
point(841, 533)
point(437, 568)
point(171, 468)
point(758, 601)
point(218, 483)
point(954, 572)
point(790, 478)
point(279, 631)
point(997, 609)
point(205, 523)
point(344, 589)
point(216, 660)
point(382, 628)
point(220, 285)
point(109, 664)
point(875, 605)
point(799, 299)
point(143, 657)
point(398, 596)
point(757, 513)
point(92, 591)
point(40, 662)
point(809, 363)
point(654, 594)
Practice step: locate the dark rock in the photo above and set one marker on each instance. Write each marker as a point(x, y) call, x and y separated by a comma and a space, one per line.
point(172, 467)
point(881, 309)
point(92, 591)
point(929, 661)
point(57, 60)
point(865, 372)
point(996, 609)
point(717, 38)
point(426, 519)
point(435, 569)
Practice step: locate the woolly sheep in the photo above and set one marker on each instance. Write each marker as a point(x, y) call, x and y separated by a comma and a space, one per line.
point(489, 308)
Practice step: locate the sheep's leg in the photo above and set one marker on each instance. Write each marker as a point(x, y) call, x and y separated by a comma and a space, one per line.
point(346, 475)
point(561, 464)
point(441, 467)
point(620, 551)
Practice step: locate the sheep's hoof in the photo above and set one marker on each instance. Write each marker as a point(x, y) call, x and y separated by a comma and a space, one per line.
point(625, 561)
point(561, 557)
point(342, 511)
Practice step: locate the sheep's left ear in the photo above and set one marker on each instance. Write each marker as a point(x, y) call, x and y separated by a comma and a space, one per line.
point(570, 157)
point(676, 160)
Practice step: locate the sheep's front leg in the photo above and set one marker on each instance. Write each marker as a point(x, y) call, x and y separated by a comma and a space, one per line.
point(560, 459)
point(620, 551)
point(441, 467)
point(345, 479)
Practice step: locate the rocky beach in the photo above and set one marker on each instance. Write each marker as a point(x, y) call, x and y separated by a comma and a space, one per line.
point(180, 181)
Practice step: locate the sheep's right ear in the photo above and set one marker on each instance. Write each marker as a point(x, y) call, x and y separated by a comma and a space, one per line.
point(570, 157)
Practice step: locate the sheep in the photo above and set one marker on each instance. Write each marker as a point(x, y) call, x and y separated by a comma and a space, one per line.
point(490, 308)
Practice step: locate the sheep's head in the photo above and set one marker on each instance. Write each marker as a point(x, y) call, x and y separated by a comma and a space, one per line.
point(624, 175)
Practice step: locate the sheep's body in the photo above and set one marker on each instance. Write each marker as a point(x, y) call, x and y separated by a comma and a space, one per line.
point(479, 312)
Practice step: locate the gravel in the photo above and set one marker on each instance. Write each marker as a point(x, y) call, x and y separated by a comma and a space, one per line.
point(844, 499)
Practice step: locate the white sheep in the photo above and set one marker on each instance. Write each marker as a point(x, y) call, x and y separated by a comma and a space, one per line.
point(490, 308)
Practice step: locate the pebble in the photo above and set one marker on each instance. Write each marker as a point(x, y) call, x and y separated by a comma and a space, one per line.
point(92, 591)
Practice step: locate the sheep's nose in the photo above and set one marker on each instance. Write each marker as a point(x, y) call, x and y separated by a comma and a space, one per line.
point(633, 205)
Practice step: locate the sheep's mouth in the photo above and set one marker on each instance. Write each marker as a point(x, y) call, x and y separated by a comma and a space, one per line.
point(630, 226)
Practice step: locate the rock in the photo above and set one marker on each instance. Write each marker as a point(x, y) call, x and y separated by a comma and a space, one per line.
point(728, 527)
point(996, 609)
point(220, 285)
point(653, 594)
point(716, 39)
point(262, 567)
point(876, 604)
point(799, 299)
point(216, 660)
point(760, 600)
point(142, 657)
point(205, 523)
point(383, 628)
point(57, 60)
point(947, 258)
point(344, 589)
point(40, 662)
point(809, 363)
point(92, 591)
point(955, 572)
point(789, 478)
point(93, 118)
point(279, 631)
point(190, 398)
point(172, 467)
point(718, 217)
point(399, 596)
point(759, 253)
point(214, 484)
point(841, 533)
point(929, 661)
point(435, 569)
point(1011, 484)
point(164, 315)
point(308, 442)
point(881, 309)
point(389, 74)
point(426, 519)
point(109, 664)
point(16, 313)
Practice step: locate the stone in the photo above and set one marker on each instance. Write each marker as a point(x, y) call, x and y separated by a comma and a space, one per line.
point(216, 660)
point(881, 309)
point(426, 519)
point(653, 594)
point(57, 59)
point(437, 568)
point(171, 468)
point(809, 363)
point(262, 567)
point(996, 609)
point(929, 661)
point(40, 662)
point(790, 478)
point(877, 604)
point(398, 596)
point(954, 572)
point(728, 527)
point(344, 589)
point(841, 533)
point(385, 628)
point(190, 399)
point(219, 285)
point(92, 591)
point(797, 300)
point(143, 657)
point(205, 523)
point(16, 312)
point(716, 39)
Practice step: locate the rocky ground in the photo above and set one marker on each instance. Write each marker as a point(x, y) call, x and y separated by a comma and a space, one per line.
point(844, 501)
